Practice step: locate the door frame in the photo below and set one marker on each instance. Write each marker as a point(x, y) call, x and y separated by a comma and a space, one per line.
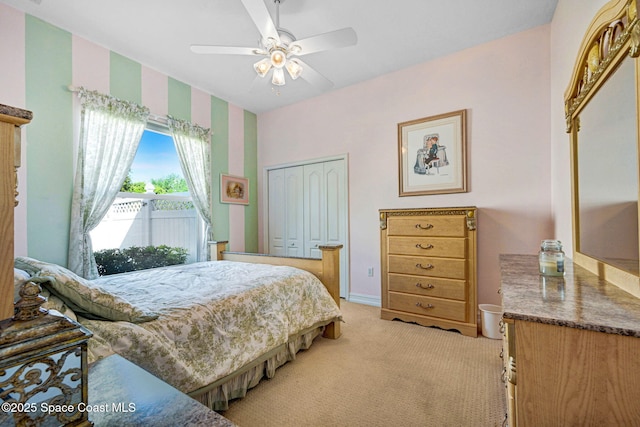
point(344, 284)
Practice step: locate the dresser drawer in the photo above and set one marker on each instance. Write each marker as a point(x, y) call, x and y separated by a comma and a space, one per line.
point(428, 286)
point(428, 246)
point(436, 307)
point(451, 226)
point(428, 266)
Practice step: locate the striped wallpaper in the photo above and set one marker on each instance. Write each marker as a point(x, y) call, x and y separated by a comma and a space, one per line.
point(54, 59)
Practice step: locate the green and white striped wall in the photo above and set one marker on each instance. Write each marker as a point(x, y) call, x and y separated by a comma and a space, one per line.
point(54, 59)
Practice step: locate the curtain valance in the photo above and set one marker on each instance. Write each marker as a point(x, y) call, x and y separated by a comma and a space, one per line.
point(96, 101)
point(189, 129)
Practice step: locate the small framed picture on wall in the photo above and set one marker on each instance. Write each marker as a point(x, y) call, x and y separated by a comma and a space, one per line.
point(234, 189)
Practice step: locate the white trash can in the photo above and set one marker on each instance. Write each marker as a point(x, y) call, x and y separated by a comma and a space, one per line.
point(491, 316)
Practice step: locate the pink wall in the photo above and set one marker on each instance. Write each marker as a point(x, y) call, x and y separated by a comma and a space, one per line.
point(504, 85)
point(90, 65)
point(12, 83)
point(155, 91)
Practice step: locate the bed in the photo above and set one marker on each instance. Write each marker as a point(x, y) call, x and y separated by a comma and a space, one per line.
point(213, 329)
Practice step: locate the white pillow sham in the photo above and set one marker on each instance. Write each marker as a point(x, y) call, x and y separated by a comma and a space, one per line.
point(83, 296)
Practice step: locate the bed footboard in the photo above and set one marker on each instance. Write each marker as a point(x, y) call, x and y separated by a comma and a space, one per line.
point(327, 269)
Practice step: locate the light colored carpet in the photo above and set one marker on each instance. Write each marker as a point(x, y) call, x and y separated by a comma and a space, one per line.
point(382, 373)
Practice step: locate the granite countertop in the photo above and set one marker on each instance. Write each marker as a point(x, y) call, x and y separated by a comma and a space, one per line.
point(15, 112)
point(125, 395)
point(578, 300)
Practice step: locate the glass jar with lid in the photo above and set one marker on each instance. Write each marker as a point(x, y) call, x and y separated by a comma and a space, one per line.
point(551, 258)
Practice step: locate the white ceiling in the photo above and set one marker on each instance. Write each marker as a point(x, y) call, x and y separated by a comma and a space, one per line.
point(391, 35)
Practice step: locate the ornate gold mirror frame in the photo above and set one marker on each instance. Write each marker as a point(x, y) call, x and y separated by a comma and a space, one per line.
point(612, 38)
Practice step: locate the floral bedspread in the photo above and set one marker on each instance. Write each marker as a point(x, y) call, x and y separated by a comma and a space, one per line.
point(214, 317)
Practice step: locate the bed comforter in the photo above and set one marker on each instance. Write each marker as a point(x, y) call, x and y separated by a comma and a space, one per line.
point(213, 317)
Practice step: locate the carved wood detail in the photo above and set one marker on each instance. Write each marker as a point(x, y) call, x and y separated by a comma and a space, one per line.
point(612, 33)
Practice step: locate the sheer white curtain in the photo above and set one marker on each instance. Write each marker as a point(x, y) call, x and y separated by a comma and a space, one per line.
point(110, 132)
point(194, 152)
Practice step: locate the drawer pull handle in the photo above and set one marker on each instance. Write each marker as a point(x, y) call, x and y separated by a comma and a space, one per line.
point(424, 227)
point(428, 306)
point(429, 246)
point(428, 286)
point(425, 267)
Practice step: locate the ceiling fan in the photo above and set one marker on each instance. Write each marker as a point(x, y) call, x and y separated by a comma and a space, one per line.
point(279, 48)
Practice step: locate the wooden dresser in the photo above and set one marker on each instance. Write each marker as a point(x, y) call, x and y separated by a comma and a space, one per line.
point(11, 118)
point(571, 347)
point(428, 267)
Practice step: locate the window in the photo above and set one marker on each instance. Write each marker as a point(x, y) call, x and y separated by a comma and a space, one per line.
point(154, 208)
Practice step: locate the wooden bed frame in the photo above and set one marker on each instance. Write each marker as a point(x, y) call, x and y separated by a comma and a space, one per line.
point(327, 269)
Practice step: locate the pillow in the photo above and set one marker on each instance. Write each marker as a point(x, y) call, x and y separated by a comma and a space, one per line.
point(29, 265)
point(55, 303)
point(19, 277)
point(81, 295)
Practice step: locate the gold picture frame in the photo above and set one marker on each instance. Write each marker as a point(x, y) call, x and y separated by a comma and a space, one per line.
point(432, 155)
point(234, 189)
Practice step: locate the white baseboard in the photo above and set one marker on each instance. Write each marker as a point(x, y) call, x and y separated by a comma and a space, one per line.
point(365, 299)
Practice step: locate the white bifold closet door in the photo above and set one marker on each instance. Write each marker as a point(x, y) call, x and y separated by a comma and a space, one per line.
point(307, 209)
point(286, 221)
point(323, 194)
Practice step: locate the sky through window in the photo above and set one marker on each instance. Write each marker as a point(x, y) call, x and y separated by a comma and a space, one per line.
point(156, 158)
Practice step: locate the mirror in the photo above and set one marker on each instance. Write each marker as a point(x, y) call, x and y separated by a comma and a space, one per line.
point(607, 169)
point(601, 105)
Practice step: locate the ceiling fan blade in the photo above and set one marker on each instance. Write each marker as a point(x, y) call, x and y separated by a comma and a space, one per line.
point(224, 50)
point(331, 40)
point(313, 77)
point(261, 18)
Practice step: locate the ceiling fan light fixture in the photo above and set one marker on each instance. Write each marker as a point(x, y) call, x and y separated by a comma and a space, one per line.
point(294, 68)
point(262, 67)
point(278, 58)
point(278, 77)
point(278, 48)
point(270, 43)
point(294, 49)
